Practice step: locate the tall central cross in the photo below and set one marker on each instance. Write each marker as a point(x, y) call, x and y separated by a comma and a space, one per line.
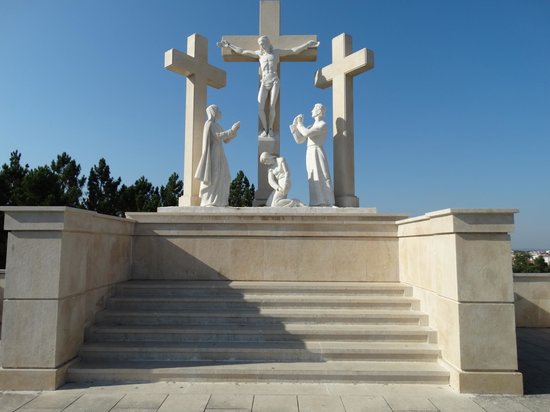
point(270, 26)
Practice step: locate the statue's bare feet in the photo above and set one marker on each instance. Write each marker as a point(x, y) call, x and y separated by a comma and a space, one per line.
point(271, 133)
point(264, 133)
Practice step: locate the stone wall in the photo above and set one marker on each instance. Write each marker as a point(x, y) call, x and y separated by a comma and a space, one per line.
point(532, 296)
point(459, 263)
point(62, 264)
point(2, 287)
point(313, 244)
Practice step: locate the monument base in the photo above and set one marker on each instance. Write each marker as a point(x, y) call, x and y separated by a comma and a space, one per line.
point(347, 201)
point(33, 379)
point(187, 201)
point(279, 244)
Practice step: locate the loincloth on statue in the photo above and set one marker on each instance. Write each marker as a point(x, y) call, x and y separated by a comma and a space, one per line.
point(269, 80)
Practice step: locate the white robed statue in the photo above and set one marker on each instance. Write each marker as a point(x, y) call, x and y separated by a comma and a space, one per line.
point(321, 192)
point(213, 170)
point(278, 177)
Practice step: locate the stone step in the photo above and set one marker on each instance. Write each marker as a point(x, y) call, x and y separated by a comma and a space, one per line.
point(227, 351)
point(255, 302)
point(273, 333)
point(264, 316)
point(194, 288)
point(306, 331)
point(328, 372)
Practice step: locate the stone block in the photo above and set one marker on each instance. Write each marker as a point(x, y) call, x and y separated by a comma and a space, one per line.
point(484, 268)
point(487, 337)
point(42, 333)
point(505, 382)
point(33, 265)
point(532, 300)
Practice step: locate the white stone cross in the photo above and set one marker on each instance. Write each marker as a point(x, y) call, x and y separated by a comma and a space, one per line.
point(339, 75)
point(200, 75)
point(270, 26)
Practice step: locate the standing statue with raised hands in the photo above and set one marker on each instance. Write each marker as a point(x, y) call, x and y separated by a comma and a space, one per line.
point(269, 62)
point(321, 192)
point(213, 170)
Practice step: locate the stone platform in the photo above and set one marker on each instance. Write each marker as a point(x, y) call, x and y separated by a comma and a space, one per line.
point(294, 244)
point(64, 264)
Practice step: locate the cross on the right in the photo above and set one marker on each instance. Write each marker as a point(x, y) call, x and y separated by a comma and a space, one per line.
point(339, 75)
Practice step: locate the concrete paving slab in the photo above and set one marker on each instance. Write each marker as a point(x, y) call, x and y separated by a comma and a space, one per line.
point(500, 404)
point(365, 404)
point(53, 400)
point(94, 402)
point(275, 403)
point(133, 410)
point(184, 403)
point(456, 404)
point(137, 400)
point(227, 410)
point(257, 388)
point(315, 403)
point(230, 401)
point(409, 402)
point(10, 402)
point(536, 403)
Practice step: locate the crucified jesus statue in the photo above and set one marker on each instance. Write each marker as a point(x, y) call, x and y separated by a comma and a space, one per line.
point(269, 62)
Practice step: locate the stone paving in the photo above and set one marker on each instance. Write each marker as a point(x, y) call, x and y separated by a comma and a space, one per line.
point(534, 362)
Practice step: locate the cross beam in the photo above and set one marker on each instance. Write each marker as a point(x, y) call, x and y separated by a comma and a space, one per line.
point(270, 26)
point(194, 66)
point(345, 66)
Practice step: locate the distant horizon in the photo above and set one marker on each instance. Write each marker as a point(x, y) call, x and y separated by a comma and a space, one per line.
point(454, 114)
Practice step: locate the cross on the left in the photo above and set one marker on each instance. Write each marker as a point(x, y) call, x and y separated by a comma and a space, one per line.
point(200, 74)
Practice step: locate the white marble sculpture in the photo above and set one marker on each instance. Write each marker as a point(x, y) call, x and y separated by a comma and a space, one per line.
point(268, 57)
point(321, 191)
point(278, 176)
point(213, 170)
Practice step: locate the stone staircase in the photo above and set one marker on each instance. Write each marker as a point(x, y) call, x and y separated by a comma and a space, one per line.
point(260, 331)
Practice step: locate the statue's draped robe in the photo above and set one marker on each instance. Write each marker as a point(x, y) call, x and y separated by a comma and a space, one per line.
point(213, 170)
point(321, 192)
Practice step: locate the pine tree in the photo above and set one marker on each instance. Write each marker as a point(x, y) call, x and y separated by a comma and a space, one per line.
point(70, 181)
point(142, 196)
point(103, 194)
point(171, 193)
point(11, 179)
point(241, 193)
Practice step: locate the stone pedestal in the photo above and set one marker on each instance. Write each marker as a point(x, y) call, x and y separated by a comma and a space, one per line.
point(269, 244)
point(61, 265)
point(459, 262)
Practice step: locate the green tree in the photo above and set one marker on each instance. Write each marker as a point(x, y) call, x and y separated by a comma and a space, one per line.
point(11, 178)
point(41, 187)
point(170, 194)
point(69, 179)
point(521, 262)
point(540, 265)
point(142, 196)
point(103, 192)
point(241, 193)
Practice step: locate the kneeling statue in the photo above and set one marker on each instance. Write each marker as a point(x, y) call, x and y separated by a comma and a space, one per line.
point(278, 177)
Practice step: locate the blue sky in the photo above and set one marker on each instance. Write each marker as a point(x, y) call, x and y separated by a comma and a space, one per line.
point(456, 112)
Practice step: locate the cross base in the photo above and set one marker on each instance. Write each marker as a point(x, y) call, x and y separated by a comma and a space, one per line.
point(347, 201)
point(187, 200)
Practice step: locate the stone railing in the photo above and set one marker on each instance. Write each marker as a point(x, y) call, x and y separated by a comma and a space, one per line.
point(62, 264)
point(459, 263)
point(532, 293)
